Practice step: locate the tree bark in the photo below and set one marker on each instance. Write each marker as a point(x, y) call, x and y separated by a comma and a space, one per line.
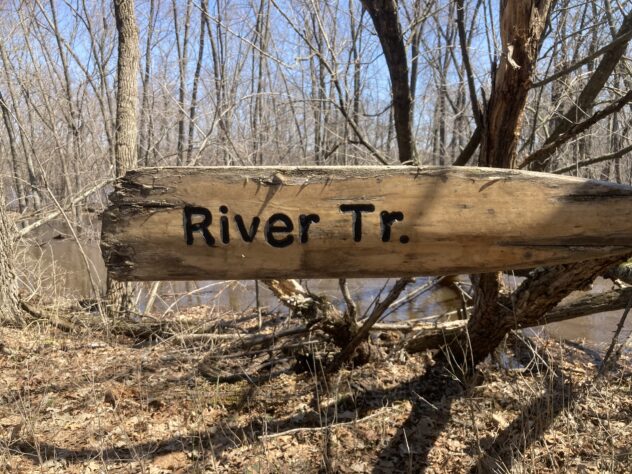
point(386, 22)
point(119, 293)
point(9, 300)
point(522, 24)
point(127, 86)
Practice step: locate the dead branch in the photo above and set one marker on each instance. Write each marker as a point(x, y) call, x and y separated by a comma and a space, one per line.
point(352, 308)
point(313, 309)
point(617, 42)
point(41, 315)
point(265, 340)
point(547, 150)
point(436, 335)
point(592, 161)
point(478, 115)
point(608, 360)
point(347, 352)
point(52, 215)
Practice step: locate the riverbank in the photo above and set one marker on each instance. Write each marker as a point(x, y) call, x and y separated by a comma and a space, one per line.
point(90, 402)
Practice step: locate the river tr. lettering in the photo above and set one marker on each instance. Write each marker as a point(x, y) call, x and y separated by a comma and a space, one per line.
point(278, 228)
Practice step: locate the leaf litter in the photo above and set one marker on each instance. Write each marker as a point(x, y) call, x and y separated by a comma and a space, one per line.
point(75, 403)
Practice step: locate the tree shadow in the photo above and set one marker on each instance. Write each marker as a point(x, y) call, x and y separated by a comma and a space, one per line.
point(528, 427)
point(433, 392)
point(432, 395)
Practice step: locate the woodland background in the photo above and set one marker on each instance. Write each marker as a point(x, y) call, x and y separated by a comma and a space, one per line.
point(90, 89)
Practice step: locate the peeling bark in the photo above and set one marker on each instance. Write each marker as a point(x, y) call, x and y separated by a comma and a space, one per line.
point(522, 24)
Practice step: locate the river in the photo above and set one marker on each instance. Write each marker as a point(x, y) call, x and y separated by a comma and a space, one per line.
point(60, 270)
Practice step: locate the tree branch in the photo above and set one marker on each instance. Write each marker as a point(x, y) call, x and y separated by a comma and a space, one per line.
point(592, 161)
point(434, 336)
point(386, 22)
point(347, 352)
point(547, 150)
point(467, 152)
point(618, 41)
point(592, 88)
point(478, 117)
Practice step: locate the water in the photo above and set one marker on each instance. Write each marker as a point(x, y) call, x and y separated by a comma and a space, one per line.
point(58, 269)
point(241, 295)
point(594, 329)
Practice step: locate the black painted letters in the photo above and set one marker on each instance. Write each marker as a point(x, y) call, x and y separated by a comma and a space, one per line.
point(190, 227)
point(387, 220)
point(357, 210)
point(286, 226)
point(279, 227)
point(305, 221)
point(248, 236)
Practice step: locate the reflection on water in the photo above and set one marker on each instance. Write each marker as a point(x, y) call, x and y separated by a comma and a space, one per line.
point(596, 328)
point(241, 295)
point(57, 268)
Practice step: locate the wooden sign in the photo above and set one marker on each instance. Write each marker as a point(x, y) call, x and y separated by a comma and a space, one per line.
point(326, 222)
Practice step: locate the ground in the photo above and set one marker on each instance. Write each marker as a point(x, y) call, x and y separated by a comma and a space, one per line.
point(93, 402)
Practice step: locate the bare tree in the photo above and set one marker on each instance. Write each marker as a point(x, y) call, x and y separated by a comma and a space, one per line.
point(522, 26)
point(539, 85)
point(119, 293)
point(9, 301)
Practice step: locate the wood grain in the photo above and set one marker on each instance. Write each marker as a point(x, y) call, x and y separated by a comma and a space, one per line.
point(455, 220)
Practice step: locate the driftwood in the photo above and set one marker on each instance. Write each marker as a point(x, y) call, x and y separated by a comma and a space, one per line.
point(345, 222)
point(314, 309)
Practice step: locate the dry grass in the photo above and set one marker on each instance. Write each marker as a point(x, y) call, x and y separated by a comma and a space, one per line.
point(86, 403)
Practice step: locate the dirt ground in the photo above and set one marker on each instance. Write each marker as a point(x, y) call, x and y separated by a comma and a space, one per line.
point(89, 402)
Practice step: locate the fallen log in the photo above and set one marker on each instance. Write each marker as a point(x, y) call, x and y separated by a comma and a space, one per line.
point(344, 222)
point(437, 335)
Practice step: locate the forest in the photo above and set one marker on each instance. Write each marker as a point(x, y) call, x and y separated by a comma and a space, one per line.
point(422, 372)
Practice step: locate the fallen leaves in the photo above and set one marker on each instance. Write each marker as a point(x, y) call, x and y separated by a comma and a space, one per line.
point(74, 404)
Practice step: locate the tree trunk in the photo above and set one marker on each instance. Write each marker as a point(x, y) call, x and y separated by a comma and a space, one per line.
point(119, 293)
point(9, 301)
point(386, 22)
point(522, 24)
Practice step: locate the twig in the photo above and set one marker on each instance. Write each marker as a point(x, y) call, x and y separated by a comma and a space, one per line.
point(152, 297)
point(613, 44)
point(62, 324)
point(413, 295)
point(326, 427)
point(345, 354)
point(606, 360)
point(49, 217)
point(352, 309)
point(576, 129)
point(592, 161)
